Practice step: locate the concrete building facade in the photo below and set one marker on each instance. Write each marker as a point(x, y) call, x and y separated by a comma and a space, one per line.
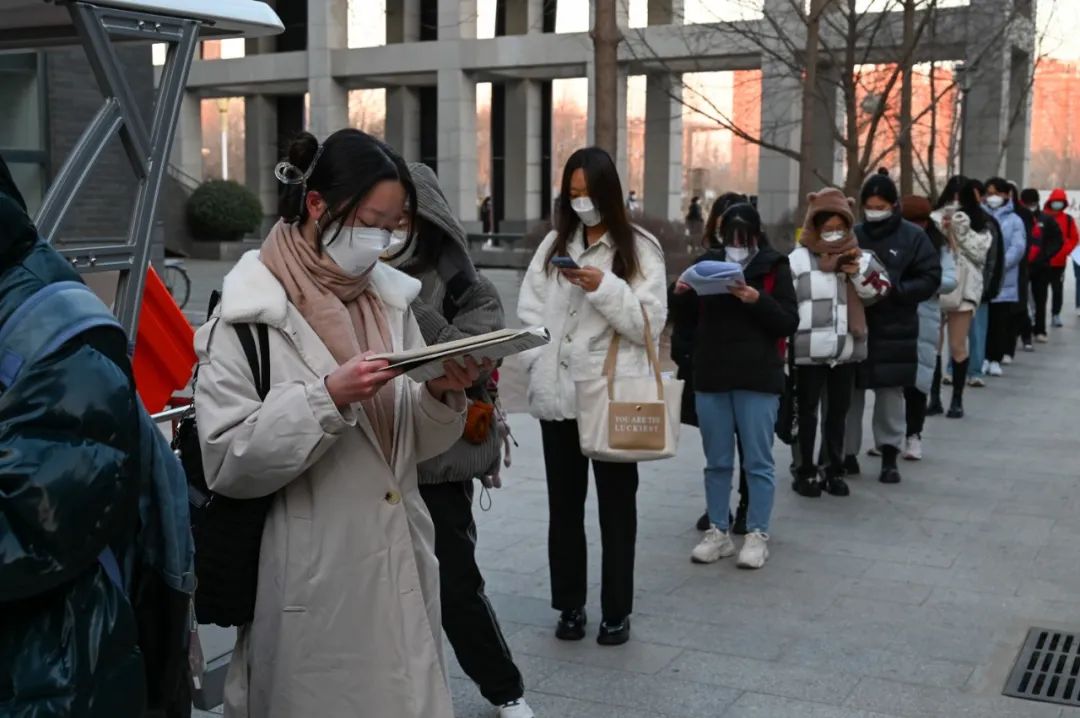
point(433, 60)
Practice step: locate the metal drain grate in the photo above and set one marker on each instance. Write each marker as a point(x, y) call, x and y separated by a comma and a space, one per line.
point(1047, 669)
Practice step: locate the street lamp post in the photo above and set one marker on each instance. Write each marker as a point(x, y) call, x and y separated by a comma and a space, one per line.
point(223, 108)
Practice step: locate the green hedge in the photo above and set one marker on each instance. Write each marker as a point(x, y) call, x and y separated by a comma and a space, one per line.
point(223, 211)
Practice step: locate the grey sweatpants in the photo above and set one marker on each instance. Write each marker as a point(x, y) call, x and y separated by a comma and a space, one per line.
point(889, 424)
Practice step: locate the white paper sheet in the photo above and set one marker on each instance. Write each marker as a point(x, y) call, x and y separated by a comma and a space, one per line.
point(426, 364)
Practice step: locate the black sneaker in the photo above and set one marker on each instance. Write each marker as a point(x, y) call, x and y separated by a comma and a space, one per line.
point(703, 524)
point(571, 625)
point(808, 486)
point(851, 466)
point(889, 475)
point(614, 633)
point(836, 486)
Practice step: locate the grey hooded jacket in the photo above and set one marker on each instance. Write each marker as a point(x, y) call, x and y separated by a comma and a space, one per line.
point(475, 308)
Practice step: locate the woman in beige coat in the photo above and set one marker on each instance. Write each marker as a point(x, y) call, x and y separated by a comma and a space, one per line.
point(346, 614)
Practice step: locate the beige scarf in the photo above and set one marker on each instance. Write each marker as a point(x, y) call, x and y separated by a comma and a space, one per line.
point(342, 310)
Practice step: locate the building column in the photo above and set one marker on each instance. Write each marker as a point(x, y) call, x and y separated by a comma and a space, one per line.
point(666, 12)
point(524, 16)
point(403, 121)
point(521, 186)
point(402, 21)
point(663, 146)
point(622, 161)
point(327, 31)
point(986, 84)
point(1017, 158)
point(457, 19)
point(260, 152)
point(188, 143)
point(457, 143)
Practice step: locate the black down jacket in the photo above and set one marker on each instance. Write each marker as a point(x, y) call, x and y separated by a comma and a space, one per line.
point(69, 448)
point(914, 268)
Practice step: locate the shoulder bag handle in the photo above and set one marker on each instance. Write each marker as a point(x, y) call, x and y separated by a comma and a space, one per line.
point(650, 352)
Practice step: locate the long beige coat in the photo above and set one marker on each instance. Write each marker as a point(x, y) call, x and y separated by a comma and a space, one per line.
point(347, 620)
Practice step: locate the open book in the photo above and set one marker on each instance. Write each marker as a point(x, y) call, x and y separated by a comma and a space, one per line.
point(426, 364)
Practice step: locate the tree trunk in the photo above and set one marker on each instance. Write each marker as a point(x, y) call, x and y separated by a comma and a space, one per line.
point(606, 37)
point(855, 171)
point(807, 179)
point(931, 160)
point(907, 162)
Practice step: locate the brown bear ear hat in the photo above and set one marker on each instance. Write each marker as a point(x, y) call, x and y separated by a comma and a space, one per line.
point(829, 200)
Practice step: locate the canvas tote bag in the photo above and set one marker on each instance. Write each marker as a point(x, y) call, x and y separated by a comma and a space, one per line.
point(629, 419)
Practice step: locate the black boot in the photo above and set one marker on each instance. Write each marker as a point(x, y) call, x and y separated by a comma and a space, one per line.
point(960, 370)
point(851, 465)
point(889, 473)
point(934, 408)
point(808, 484)
point(834, 484)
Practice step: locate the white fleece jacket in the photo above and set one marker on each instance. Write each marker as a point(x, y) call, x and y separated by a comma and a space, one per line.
point(582, 324)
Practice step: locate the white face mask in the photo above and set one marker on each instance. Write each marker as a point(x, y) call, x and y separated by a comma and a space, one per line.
point(834, 236)
point(877, 215)
point(1057, 206)
point(355, 249)
point(586, 211)
point(397, 253)
point(995, 201)
point(740, 255)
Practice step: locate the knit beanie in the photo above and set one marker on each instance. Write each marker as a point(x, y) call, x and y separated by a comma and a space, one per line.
point(880, 186)
point(916, 209)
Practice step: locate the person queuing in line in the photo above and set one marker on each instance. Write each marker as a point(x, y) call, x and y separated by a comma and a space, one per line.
point(620, 271)
point(917, 210)
point(695, 217)
point(1048, 242)
point(739, 375)
point(682, 353)
point(348, 577)
point(1004, 306)
point(1022, 318)
point(947, 203)
point(893, 323)
point(1070, 238)
point(457, 302)
point(961, 217)
point(980, 325)
point(834, 279)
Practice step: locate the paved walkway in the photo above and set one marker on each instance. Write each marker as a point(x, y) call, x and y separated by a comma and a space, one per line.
point(908, 600)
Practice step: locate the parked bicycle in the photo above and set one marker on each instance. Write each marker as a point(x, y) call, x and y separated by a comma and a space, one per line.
point(177, 281)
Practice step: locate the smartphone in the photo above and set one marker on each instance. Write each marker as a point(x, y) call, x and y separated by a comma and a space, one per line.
point(564, 263)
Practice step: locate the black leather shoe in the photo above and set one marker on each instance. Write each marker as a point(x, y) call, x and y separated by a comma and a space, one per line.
point(836, 486)
point(956, 409)
point(809, 487)
point(614, 633)
point(571, 625)
point(889, 475)
point(703, 524)
point(851, 466)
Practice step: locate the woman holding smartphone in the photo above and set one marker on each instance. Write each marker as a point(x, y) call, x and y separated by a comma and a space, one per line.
point(347, 617)
point(620, 270)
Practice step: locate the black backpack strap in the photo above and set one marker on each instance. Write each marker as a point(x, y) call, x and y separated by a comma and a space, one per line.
point(260, 368)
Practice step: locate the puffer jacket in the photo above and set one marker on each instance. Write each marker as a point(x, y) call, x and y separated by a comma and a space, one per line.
point(930, 323)
point(823, 336)
point(582, 324)
point(1069, 233)
point(1015, 237)
point(69, 458)
point(971, 252)
point(915, 273)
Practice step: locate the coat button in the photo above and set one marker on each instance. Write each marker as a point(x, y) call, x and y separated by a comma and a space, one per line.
point(393, 498)
point(569, 338)
point(573, 312)
point(564, 365)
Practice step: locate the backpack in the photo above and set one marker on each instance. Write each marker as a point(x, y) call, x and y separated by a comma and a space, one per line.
point(227, 532)
point(159, 584)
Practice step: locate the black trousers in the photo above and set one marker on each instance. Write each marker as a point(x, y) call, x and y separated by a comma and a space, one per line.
point(1044, 282)
point(1001, 333)
point(616, 494)
point(467, 616)
point(915, 410)
point(836, 383)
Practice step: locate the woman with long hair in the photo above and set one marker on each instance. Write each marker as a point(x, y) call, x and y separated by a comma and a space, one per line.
point(739, 376)
point(347, 618)
point(961, 217)
point(609, 270)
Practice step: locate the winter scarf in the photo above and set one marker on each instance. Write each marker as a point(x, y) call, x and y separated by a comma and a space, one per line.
point(343, 311)
point(833, 201)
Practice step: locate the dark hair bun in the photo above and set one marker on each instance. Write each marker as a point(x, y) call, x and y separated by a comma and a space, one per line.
point(302, 150)
point(301, 154)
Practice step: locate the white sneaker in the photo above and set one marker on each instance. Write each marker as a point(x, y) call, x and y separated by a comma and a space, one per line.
point(873, 451)
point(516, 709)
point(755, 550)
point(1006, 360)
point(913, 448)
point(985, 366)
point(946, 379)
point(715, 545)
point(1042, 338)
point(995, 369)
point(977, 382)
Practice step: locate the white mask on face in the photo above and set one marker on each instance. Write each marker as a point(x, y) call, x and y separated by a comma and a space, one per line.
point(355, 249)
point(740, 255)
point(877, 215)
point(834, 236)
point(995, 201)
point(1057, 206)
point(397, 253)
point(586, 211)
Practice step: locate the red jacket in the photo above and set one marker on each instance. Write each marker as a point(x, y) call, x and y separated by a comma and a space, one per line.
point(1069, 232)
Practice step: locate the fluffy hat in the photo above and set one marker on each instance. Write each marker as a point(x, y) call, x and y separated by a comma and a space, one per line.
point(827, 201)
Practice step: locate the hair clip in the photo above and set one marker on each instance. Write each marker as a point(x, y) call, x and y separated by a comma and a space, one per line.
point(288, 173)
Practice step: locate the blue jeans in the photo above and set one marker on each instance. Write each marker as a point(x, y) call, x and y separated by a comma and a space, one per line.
point(753, 414)
point(977, 340)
